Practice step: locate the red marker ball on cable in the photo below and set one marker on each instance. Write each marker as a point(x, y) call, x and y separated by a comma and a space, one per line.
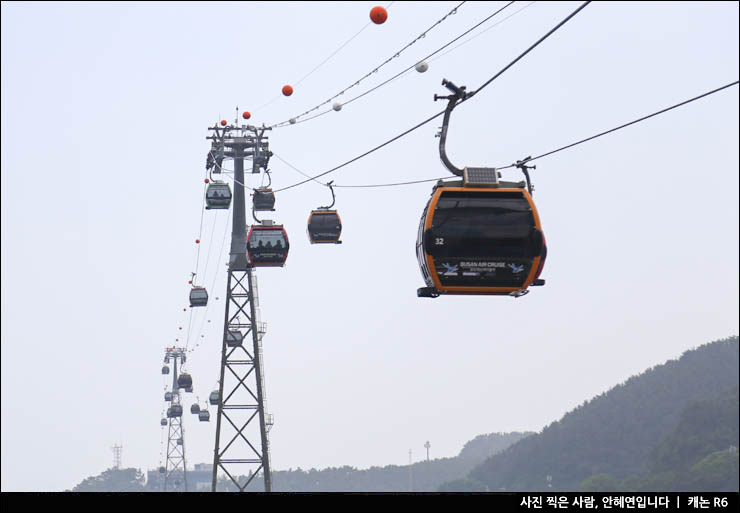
point(287, 90)
point(246, 115)
point(223, 122)
point(378, 15)
point(207, 180)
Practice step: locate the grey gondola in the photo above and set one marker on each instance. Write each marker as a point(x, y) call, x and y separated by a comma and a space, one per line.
point(204, 416)
point(213, 398)
point(184, 381)
point(163, 422)
point(198, 296)
point(218, 196)
point(263, 199)
point(174, 411)
point(168, 396)
point(179, 441)
point(195, 408)
point(165, 370)
point(234, 338)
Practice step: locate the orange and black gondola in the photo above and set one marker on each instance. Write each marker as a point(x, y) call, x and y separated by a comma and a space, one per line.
point(485, 241)
point(267, 245)
point(479, 235)
point(324, 227)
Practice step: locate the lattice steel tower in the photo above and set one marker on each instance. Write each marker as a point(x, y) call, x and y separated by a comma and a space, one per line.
point(242, 447)
point(175, 475)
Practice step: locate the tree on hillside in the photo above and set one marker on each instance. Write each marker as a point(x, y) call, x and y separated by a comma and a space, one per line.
point(114, 480)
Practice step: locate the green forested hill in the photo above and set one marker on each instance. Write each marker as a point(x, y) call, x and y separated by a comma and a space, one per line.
point(617, 433)
point(425, 475)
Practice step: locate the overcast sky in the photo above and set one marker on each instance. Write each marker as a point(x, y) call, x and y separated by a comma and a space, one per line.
point(105, 110)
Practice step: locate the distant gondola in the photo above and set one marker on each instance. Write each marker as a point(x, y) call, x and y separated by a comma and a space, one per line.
point(218, 196)
point(198, 296)
point(168, 396)
point(204, 416)
point(263, 199)
point(165, 370)
point(184, 380)
point(174, 411)
point(163, 422)
point(195, 408)
point(213, 398)
point(324, 227)
point(267, 245)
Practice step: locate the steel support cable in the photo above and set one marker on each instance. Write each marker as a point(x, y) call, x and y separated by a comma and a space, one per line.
point(606, 132)
point(419, 125)
point(625, 125)
point(322, 62)
point(355, 186)
point(215, 274)
point(397, 54)
point(442, 48)
point(406, 70)
point(540, 40)
point(478, 34)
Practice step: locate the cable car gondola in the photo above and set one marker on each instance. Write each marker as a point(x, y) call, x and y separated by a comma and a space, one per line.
point(263, 199)
point(218, 196)
point(195, 408)
point(479, 235)
point(184, 380)
point(324, 225)
point(174, 411)
point(234, 338)
point(213, 398)
point(165, 370)
point(204, 416)
point(163, 422)
point(179, 441)
point(198, 296)
point(168, 396)
point(267, 245)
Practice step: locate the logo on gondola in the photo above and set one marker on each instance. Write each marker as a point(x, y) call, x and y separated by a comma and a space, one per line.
point(516, 269)
point(450, 269)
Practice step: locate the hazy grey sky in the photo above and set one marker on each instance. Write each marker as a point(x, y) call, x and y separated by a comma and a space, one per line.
point(105, 108)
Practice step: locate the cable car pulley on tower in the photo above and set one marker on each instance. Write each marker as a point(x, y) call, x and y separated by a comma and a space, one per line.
point(324, 224)
point(479, 235)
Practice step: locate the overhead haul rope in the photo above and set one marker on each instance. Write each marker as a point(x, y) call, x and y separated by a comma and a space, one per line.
point(406, 70)
point(530, 159)
point(397, 54)
point(469, 95)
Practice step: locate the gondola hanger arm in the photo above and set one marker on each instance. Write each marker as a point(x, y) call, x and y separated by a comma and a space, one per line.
point(458, 95)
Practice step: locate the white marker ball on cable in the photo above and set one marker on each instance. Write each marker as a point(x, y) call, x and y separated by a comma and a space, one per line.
point(422, 66)
point(337, 106)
